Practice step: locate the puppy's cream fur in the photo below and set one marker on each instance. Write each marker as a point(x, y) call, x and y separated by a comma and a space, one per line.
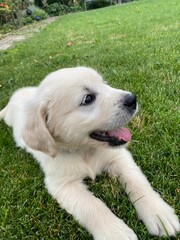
point(50, 122)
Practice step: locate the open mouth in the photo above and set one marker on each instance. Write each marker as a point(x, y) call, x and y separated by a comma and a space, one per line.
point(113, 138)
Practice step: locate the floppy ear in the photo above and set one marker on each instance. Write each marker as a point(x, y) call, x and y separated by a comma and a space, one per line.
point(36, 134)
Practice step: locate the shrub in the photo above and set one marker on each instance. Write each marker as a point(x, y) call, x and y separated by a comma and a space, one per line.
point(53, 9)
point(98, 4)
point(16, 8)
point(27, 20)
point(62, 2)
point(76, 8)
point(38, 3)
point(53, 1)
point(64, 9)
point(33, 8)
point(5, 13)
point(56, 9)
point(37, 13)
point(7, 27)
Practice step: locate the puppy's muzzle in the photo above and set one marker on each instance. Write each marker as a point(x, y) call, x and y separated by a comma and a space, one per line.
point(119, 136)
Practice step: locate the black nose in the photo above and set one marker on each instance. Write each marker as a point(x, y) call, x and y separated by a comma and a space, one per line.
point(130, 101)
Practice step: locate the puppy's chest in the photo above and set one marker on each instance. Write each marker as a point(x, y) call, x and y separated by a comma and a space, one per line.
point(94, 163)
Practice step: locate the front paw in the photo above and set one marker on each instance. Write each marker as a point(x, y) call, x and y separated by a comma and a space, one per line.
point(117, 230)
point(158, 216)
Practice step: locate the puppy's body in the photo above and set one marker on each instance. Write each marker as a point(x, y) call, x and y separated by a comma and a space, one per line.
point(72, 123)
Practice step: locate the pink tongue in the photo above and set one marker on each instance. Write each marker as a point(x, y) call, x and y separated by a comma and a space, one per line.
point(122, 134)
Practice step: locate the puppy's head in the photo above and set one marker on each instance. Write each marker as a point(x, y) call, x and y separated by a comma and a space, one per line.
point(75, 108)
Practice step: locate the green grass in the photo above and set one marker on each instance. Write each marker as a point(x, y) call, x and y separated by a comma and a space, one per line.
point(136, 47)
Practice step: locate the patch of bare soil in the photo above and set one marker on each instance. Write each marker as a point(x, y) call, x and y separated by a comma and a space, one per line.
point(23, 33)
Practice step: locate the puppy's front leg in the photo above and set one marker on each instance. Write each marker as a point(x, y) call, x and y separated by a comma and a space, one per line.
point(156, 214)
point(90, 211)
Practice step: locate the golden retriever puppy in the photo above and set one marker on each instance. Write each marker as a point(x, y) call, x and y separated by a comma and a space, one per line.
point(73, 124)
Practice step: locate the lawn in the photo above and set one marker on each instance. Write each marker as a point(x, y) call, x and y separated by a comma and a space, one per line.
point(136, 47)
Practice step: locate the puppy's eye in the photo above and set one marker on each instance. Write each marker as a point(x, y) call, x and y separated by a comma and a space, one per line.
point(88, 99)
